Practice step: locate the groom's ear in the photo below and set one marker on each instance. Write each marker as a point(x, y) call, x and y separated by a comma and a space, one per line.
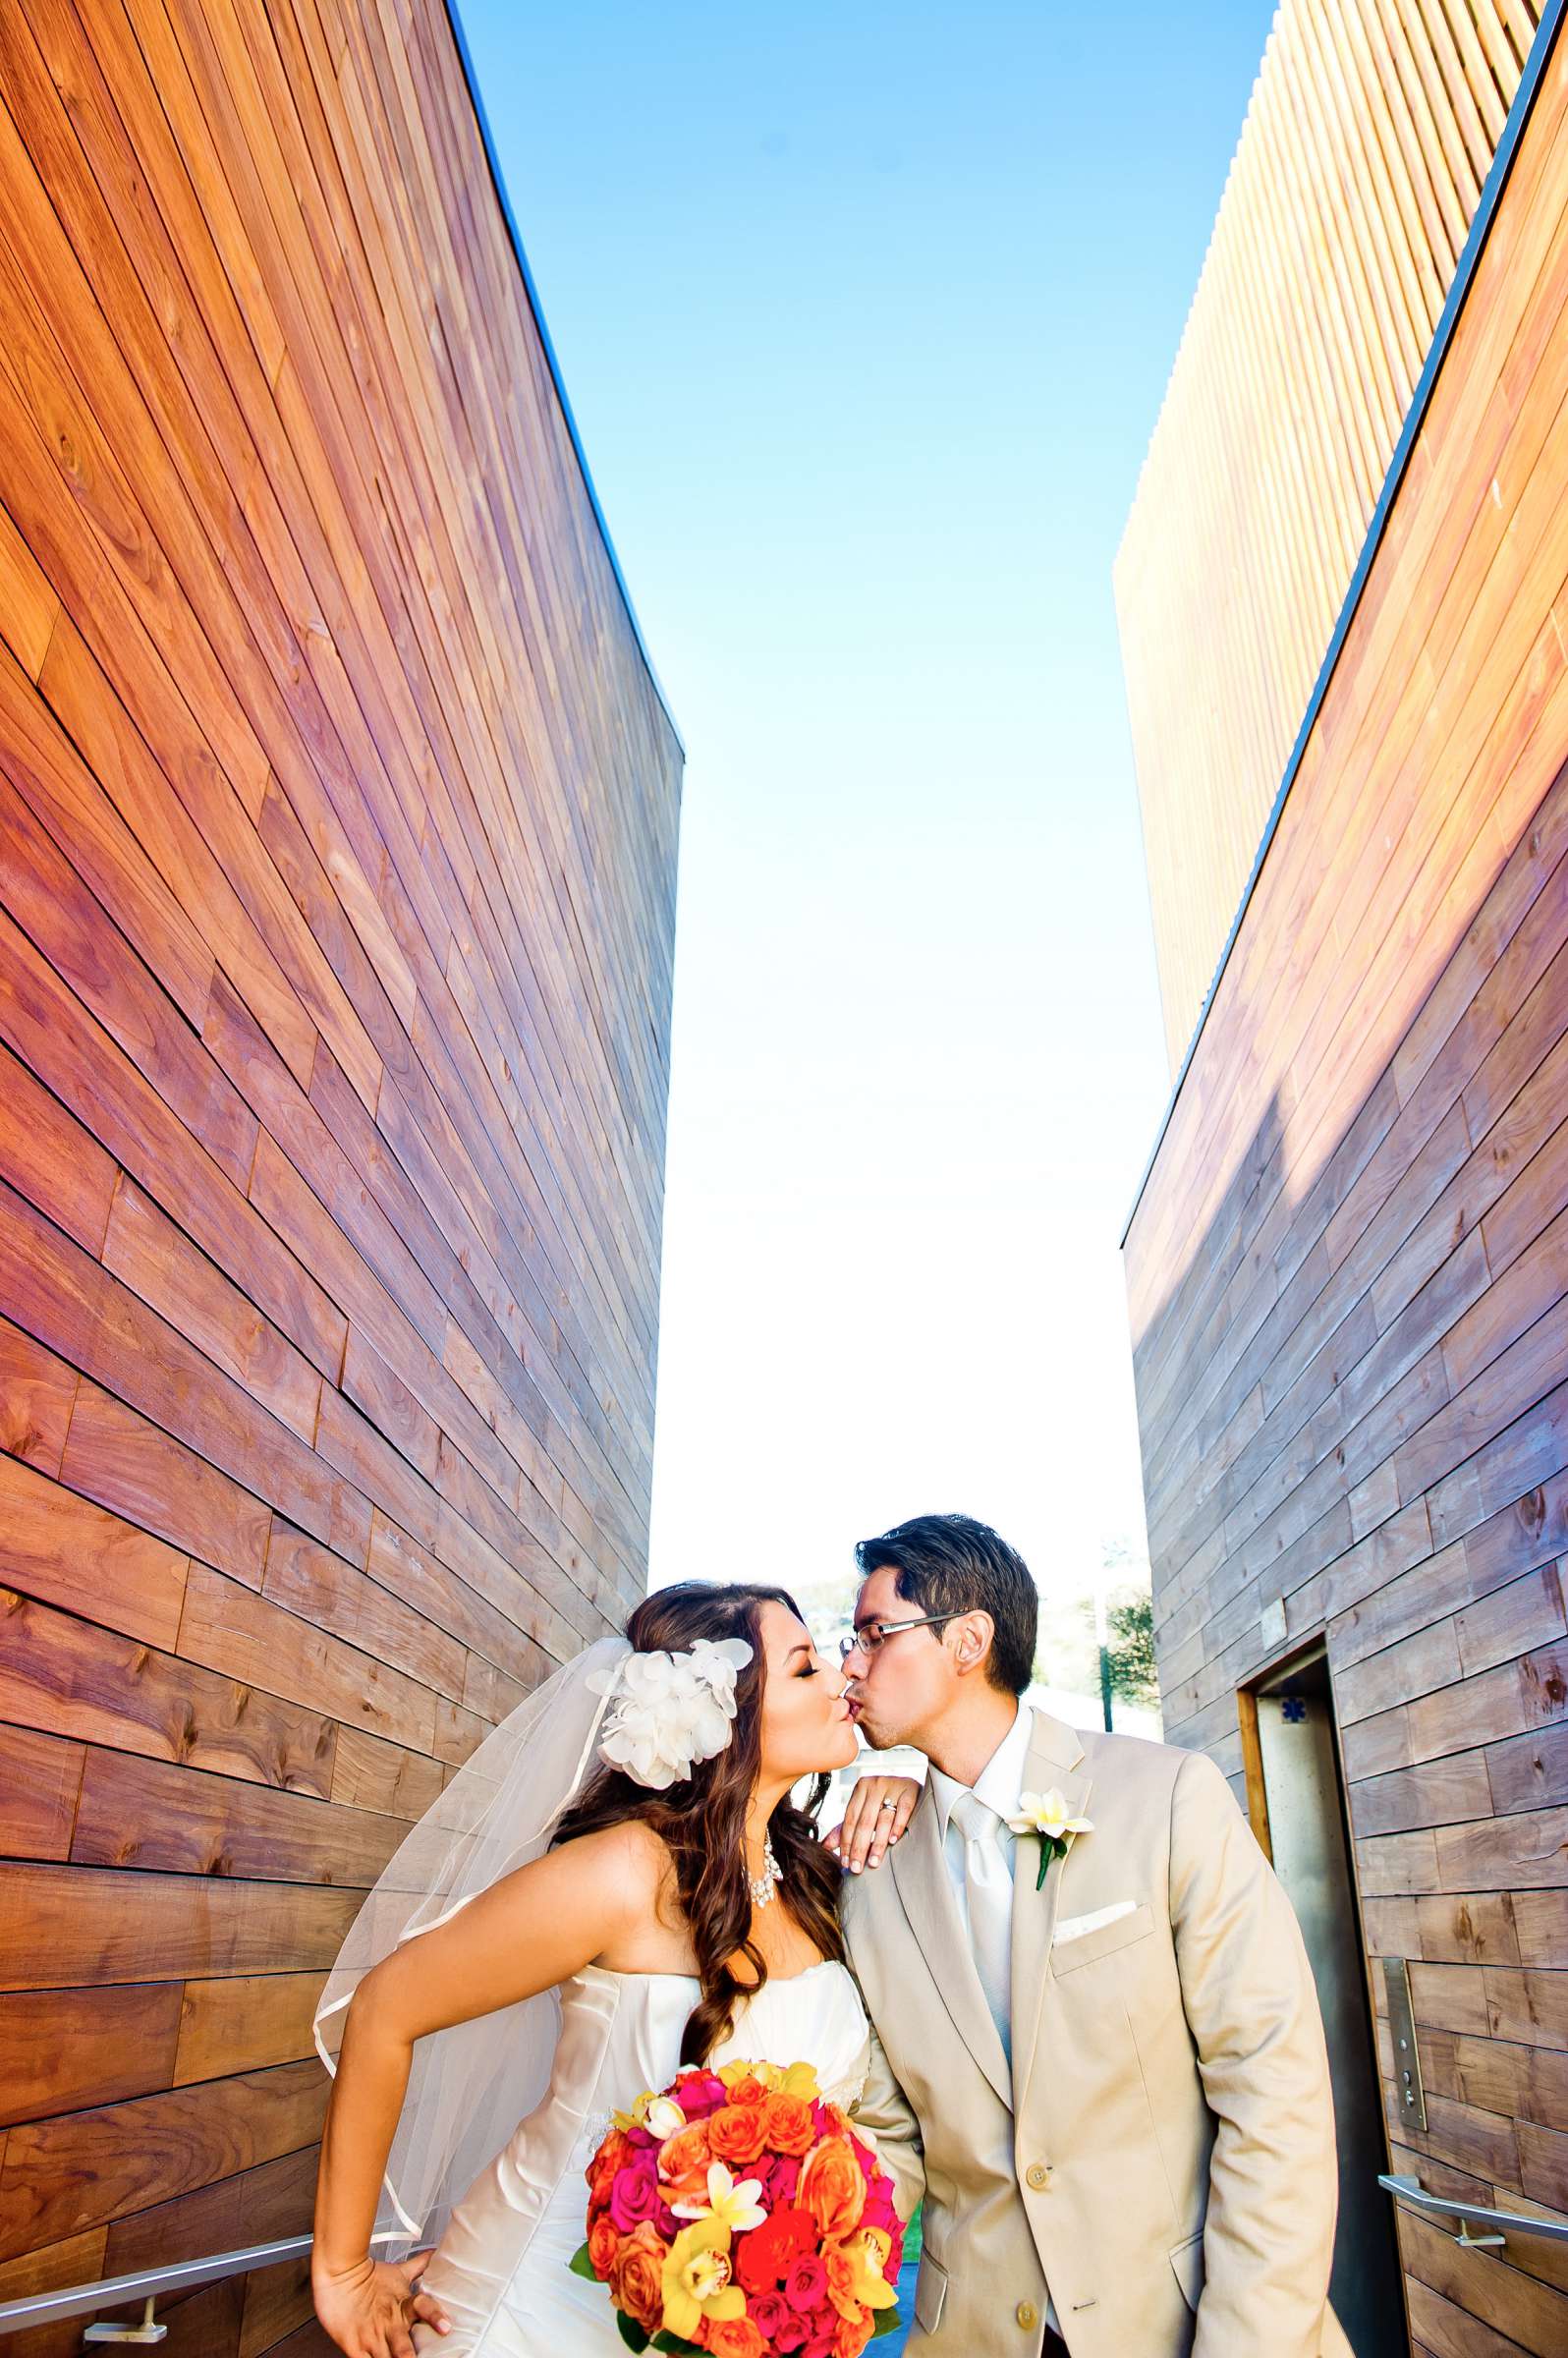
point(974, 1635)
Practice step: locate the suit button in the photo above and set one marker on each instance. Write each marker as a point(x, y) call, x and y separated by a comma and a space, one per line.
point(1038, 2175)
point(1026, 2313)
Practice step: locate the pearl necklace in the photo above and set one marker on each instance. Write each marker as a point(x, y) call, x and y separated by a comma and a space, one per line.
point(764, 1885)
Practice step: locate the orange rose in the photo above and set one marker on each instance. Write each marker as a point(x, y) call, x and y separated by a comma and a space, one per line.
point(615, 2151)
point(636, 2276)
point(789, 2124)
point(831, 2187)
point(732, 2337)
point(600, 2171)
point(841, 2274)
point(603, 2243)
point(684, 2162)
point(737, 2133)
point(748, 2090)
point(851, 2338)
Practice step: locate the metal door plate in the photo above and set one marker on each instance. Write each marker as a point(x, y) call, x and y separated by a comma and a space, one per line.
point(1411, 2101)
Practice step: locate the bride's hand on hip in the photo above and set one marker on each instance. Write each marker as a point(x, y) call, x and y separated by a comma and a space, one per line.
point(368, 2308)
point(876, 1813)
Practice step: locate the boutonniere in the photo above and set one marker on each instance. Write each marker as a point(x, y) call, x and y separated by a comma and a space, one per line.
point(1045, 1814)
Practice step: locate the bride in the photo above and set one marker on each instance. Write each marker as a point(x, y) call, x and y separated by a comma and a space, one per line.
point(618, 1883)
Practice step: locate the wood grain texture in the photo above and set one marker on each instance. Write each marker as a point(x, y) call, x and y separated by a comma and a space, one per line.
point(1347, 1273)
point(338, 825)
point(1354, 183)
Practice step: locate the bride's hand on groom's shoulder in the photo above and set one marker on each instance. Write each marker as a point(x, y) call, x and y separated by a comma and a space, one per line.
point(876, 1816)
point(368, 2308)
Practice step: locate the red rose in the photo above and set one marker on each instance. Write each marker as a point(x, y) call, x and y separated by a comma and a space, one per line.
point(764, 2257)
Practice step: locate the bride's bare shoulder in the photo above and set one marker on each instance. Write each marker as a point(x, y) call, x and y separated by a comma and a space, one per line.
point(635, 1895)
point(630, 1857)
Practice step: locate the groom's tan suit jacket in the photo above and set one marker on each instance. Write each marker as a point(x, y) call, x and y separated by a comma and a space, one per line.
point(1161, 2159)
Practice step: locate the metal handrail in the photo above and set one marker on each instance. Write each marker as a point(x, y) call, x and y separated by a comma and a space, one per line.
point(145, 2283)
point(185, 2275)
point(1500, 2223)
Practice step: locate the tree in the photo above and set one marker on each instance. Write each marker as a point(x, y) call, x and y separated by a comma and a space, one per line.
point(1133, 1674)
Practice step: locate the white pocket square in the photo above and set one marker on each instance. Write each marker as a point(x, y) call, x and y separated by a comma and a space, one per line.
point(1073, 1927)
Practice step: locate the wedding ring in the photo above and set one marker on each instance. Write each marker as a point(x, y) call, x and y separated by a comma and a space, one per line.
point(887, 1805)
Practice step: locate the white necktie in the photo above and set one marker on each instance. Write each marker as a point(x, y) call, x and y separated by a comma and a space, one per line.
point(988, 1897)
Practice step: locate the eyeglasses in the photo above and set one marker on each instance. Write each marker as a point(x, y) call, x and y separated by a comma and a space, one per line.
point(877, 1633)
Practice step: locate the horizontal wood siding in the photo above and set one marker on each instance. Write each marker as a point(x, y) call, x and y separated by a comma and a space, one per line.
point(338, 819)
point(1348, 1273)
point(1371, 130)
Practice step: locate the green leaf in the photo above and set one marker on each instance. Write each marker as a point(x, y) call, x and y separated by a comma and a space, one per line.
point(673, 2341)
point(582, 2265)
point(887, 2321)
point(632, 2332)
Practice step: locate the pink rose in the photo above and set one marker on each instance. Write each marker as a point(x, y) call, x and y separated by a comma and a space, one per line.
point(702, 2093)
point(792, 2336)
point(634, 2194)
point(770, 2314)
point(783, 2178)
point(880, 2211)
point(805, 2285)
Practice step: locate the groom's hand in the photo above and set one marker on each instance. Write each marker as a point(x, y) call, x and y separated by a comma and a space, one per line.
point(879, 1810)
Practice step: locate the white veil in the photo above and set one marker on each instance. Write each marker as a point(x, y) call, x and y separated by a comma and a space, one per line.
point(470, 2086)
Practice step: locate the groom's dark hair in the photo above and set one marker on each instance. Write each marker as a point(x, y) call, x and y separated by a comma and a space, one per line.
point(952, 1564)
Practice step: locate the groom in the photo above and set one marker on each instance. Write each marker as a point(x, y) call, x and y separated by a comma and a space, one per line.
point(1114, 2057)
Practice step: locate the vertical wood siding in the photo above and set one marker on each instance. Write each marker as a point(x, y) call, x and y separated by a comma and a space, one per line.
point(337, 846)
point(1348, 1273)
point(1371, 130)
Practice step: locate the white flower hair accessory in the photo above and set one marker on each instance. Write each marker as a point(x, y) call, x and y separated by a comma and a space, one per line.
point(669, 1711)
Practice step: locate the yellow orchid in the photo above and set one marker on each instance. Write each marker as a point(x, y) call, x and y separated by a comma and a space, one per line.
point(1049, 1815)
point(870, 2252)
point(798, 2079)
point(696, 2279)
point(736, 2206)
point(768, 2076)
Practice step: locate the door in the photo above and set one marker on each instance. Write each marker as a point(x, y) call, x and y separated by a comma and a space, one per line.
point(1295, 1788)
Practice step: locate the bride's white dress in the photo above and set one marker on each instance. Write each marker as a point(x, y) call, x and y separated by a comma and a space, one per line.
point(501, 2269)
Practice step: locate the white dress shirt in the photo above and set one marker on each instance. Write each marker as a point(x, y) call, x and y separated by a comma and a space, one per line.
point(999, 1784)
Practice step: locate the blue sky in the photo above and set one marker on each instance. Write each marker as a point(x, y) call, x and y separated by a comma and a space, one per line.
point(866, 314)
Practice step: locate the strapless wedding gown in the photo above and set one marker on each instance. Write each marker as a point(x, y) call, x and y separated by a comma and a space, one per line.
point(501, 2269)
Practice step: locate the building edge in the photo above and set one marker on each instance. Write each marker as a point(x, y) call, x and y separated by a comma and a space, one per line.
point(498, 183)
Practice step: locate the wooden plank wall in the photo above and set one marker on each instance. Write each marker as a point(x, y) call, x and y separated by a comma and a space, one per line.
point(1369, 135)
point(1347, 1273)
point(337, 841)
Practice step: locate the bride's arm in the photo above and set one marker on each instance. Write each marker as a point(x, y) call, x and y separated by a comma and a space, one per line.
point(529, 1931)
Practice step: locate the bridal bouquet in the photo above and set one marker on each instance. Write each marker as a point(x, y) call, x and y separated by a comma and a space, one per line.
point(738, 2213)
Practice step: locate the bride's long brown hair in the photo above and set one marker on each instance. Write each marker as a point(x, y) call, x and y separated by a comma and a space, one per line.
point(703, 1820)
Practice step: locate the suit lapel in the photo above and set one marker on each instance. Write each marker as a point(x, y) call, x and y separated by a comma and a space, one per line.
point(926, 1891)
point(1055, 1759)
